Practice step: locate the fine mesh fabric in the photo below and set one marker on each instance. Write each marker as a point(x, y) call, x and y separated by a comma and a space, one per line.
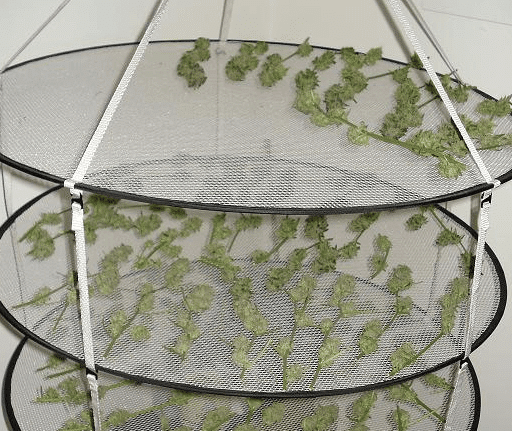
point(47, 395)
point(232, 143)
point(251, 303)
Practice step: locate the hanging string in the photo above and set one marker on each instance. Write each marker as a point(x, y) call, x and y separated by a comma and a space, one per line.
point(431, 37)
point(116, 98)
point(34, 35)
point(226, 20)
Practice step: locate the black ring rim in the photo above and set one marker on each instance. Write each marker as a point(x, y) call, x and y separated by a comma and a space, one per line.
point(289, 394)
point(503, 178)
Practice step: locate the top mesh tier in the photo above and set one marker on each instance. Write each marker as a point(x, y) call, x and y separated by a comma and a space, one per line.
point(338, 138)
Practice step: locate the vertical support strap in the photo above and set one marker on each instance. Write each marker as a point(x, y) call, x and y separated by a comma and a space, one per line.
point(483, 226)
point(34, 35)
point(226, 20)
point(77, 226)
point(406, 27)
point(116, 98)
point(452, 421)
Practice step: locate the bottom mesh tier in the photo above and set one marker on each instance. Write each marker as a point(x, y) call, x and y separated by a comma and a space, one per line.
point(44, 392)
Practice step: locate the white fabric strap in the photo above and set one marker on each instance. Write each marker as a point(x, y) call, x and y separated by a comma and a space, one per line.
point(483, 226)
point(116, 98)
point(452, 420)
point(431, 37)
point(77, 225)
point(35, 34)
point(226, 20)
point(395, 7)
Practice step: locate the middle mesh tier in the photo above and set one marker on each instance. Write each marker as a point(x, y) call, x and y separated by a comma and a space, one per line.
point(250, 303)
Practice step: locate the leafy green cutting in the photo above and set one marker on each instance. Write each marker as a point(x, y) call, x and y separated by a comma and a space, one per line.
point(322, 419)
point(360, 224)
point(189, 67)
point(361, 410)
point(273, 70)
point(120, 322)
point(379, 259)
point(406, 355)
point(245, 61)
point(405, 392)
point(43, 243)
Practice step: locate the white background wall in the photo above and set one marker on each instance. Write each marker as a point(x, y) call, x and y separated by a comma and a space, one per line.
point(476, 35)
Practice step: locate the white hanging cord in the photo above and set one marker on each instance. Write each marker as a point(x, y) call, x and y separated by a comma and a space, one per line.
point(35, 34)
point(226, 20)
point(485, 202)
point(430, 35)
point(483, 226)
point(453, 422)
point(77, 226)
point(441, 91)
point(116, 98)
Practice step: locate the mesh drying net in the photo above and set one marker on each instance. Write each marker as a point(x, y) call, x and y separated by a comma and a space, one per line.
point(250, 303)
point(308, 141)
point(48, 393)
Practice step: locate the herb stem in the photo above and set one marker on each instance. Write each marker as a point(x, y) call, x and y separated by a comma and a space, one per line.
point(62, 373)
point(380, 75)
point(39, 298)
point(57, 321)
point(233, 240)
point(427, 102)
point(429, 410)
point(441, 223)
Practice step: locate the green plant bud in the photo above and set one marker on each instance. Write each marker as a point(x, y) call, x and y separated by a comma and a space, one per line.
point(495, 108)
point(448, 237)
point(117, 322)
point(260, 47)
point(349, 250)
point(351, 58)
point(402, 419)
point(402, 392)
point(416, 222)
point(436, 381)
point(362, 406)
point(42, 296)
point(321, 420)
point(324, 61)
point(307, 102)
point(372, 56)
point(273, 413)
point(326, 326)
point(247, 222)
point(368, 342)
point(328, 352)
point(140, 333)
point(302, 319)
point(383, 243)
point(284, 347)
point(343, 287)
point(177, 213)
point(178, 269)
point(402, 357)
point(358, 135)
point(200, 299)
point(251, 317)
point(326, 259)
point(294, 373)
point(355, 79)
point(306, 80)
point(119, 417)
point(303, 290)
point(145, 224)
point(401, 279)
point(304, 48)
point(449, 167)
point(272, 70)
point(260, 256)
point(287, 229)
point(190, 226)
point(403, 305)
point(241, 348)
point(214, 419)
point(400, 75)
point(254, 403)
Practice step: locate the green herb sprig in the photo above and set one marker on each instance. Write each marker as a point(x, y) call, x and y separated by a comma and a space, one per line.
point(189, 67)
point(245, 61)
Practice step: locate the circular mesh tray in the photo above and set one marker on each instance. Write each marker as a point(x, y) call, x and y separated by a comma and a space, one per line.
point(43, 393)
point(235, 144)
point(250, 304)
